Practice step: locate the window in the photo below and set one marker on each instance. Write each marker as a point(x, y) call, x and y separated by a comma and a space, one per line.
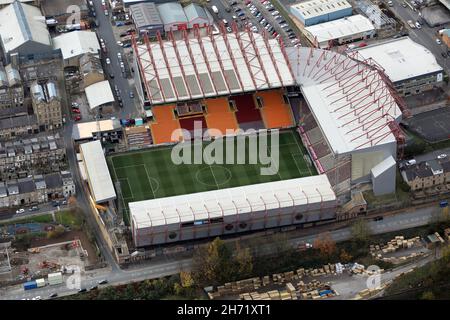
point(229, 227)
point(243, 225)
point(260, 102)
point(298, 216)
point(232, 105)
point(172, 235)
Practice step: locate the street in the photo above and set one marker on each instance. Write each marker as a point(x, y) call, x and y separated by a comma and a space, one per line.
point(168, 266)
point(104, 31)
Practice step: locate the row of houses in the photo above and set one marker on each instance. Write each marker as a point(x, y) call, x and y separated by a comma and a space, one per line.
point(37, 155)
point(427, 174)
point(36, 189)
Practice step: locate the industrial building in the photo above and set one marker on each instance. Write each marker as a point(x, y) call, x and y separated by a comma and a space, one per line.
point(97, 173)
point(231, 211)
point(318, 11)
point(411, 67)
point(99, 94)
point(337, 32)
point(24, 31)
point(107, 130)
point(75, 44)
point(197, 16)
point(146, 18)
point(349, 119)
point(173, 16)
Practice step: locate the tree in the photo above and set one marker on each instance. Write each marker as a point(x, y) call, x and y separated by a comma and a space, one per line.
point(427, 295)
point(186, 279)
point(212, 264)
point(325, 244)
point(243, 262)
point(345, 257)
point(360, 231)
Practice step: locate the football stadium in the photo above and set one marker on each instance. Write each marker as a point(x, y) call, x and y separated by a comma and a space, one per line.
point(337, 117)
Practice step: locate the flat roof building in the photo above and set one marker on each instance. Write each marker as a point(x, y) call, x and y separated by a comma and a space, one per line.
point(318, 11)
point(333, 33)
point(75, 44)
point(410, 66)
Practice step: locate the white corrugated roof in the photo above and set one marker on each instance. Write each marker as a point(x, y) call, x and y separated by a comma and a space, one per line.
point(20, 23)
point(340, 28)
point(84, 130)
point(227, 66)
point(315, 8)
point(98, 94)
point(349, 100)
point(232, 201)
point(402, 58)
point(97, 172)
point(75, 43)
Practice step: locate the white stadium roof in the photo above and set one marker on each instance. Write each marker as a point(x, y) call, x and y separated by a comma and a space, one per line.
point(231, 201)
point(341, 28)
point(402, 58)
point(350, 101)
point(98, 94)
point(217, 65)
point(75, 43)
point(97, 172)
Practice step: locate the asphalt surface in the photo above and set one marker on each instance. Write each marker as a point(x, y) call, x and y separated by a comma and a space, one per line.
point(104, 31)
point(408, 219)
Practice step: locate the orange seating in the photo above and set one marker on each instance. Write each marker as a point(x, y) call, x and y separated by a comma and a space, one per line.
point(219, 116)
point(165, 124)
point(276, 113)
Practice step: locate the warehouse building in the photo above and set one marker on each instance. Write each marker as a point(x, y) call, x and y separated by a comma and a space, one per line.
point(97, 173)
point(411, 67)
point(197, 16)
point(341, 31)
point(75, 44)
point(173, 16)
point(23, 30)
point(318, 11)
point(146, 18)
point(99, 94)
point(231, 211)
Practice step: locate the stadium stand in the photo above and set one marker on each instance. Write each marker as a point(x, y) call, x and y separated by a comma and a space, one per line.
point(165, 123)
point(275, 112)
point(219, 115)
point(138, 137)
point(189, 124)
point(246, 110)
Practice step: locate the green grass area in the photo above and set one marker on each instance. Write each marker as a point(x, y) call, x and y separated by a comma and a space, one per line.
point(45, 218)
point(151, 173)
point(72, 218)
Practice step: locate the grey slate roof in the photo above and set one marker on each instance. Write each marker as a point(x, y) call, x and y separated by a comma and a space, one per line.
point(172, 12)
point(145, 14)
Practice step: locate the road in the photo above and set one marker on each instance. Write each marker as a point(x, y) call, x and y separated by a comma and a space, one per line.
point(409, 219)
point(104, 31)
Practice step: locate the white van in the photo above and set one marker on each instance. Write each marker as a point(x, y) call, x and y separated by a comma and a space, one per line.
point(214, 9)
point(411, 162)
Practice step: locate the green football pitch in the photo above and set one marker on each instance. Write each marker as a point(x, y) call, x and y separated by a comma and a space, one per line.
point(151, 173)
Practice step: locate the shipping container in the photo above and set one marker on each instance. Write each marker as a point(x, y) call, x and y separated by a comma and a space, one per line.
point(55, 278)
point(40, 282)
point(30, 285)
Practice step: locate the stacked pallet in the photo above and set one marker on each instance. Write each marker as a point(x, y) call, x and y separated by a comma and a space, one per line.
point(399, 242)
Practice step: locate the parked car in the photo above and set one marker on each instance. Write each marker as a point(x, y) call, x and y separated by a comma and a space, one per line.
point(121, 104)
point(111, 75)
point(442, 156)
point(19, 211)
point(362, 44)
point(33, 208)
point(77, 118)
point(120, 43)
point(131, 94)
point(53, 295)
point(411, 24)
point(229, 30)
point(104, 281)
point(378, 218)
point(74, 110)
point(82, 290)
point(444, 55)
point(93, 288)
point(438, 41)
point(418, 25)
point(108, 61)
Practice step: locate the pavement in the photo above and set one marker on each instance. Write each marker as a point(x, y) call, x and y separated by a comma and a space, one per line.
point(167, 266)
